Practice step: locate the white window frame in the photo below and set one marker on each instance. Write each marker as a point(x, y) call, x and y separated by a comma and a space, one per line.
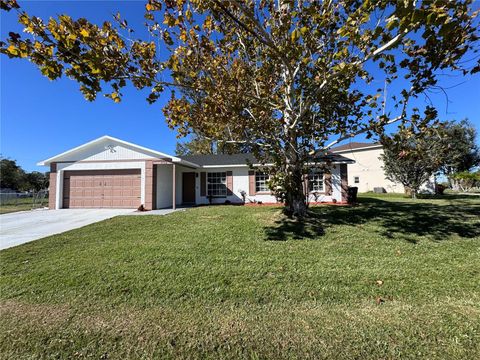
point(261, 182)
point(316, 181)
point(217, 184)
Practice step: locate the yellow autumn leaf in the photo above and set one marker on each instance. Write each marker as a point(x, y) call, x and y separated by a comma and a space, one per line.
point(12, 50)
point(148, 7)
point(183, 35)
point(295, 35)
point(84, 33)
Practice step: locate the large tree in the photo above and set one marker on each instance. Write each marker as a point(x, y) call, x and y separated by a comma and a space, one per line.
point(12, 175)
point(283, 76)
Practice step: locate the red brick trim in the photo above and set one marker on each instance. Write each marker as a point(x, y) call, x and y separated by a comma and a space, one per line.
point(344, 181)
point(154, 191)
point(52, 188)
point(251, 182)
point(229, 183)
point(149, 185)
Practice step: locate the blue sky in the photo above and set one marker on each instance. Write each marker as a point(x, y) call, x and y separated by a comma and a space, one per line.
point(40, 118)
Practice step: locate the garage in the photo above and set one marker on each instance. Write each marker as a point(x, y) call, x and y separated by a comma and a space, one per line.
point(102, 189)
point(113, 174)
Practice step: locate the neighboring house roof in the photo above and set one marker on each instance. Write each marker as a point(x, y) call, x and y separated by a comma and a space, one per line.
point(355, 146)
point(221, 160)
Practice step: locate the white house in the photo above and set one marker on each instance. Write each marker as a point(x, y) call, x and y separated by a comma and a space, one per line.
point(366, 172)
point(366, 169)
point(112, 173)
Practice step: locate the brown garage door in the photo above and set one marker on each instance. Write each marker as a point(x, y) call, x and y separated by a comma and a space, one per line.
point(102, 189)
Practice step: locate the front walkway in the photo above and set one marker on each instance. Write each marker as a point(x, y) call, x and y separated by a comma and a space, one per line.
point(156, 212)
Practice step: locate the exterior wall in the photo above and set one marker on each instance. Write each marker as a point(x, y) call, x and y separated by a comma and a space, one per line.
point(240, 182)
point(336, 184)
point(164, 184)
point(368, 167)
point(336, 192)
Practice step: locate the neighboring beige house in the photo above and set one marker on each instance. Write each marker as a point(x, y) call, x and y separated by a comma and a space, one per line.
point(366, 172)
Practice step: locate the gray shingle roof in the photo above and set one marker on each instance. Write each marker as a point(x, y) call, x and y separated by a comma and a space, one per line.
point(220, 159)
point(243, 159)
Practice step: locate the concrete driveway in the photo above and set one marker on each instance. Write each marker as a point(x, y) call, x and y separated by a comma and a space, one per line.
point(21, 227)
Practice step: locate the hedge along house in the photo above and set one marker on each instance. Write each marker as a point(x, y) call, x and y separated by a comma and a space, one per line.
point(112, 173)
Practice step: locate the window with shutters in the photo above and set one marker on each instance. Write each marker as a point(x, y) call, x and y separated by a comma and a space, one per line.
point(261, 182)
point(217, 184)
point(315, 181)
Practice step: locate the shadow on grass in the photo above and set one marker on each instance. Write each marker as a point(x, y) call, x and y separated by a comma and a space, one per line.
point(285, 228)
point(392, 219)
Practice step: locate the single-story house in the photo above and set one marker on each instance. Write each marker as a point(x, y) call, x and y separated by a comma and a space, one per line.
point(112, 173)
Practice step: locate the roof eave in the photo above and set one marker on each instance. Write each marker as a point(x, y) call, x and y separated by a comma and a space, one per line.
point(356, 149)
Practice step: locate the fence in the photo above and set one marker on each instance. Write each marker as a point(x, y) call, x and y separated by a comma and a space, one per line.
point(26, 200)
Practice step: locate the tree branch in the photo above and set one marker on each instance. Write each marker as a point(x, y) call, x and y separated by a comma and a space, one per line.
point(391, 121)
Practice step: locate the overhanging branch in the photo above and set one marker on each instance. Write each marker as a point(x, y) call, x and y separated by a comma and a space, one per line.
point(364, 130)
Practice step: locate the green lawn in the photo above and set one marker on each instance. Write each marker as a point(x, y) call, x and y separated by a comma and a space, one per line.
point(14, 205)
point(388, 279)
point(21, 204)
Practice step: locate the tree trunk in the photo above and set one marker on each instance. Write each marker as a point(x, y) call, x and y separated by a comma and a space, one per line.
point(295, 203)
point(414, 193)
point(455, 184)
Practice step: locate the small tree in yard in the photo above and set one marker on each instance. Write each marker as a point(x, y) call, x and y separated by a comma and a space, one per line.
point(282, 76)
point(35, 181)
point(463, 153)
point(467, 180)
point(412, 156)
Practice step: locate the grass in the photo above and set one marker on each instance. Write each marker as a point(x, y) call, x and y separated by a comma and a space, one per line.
point(390, 278)
point(6, 209)
point(20, 204)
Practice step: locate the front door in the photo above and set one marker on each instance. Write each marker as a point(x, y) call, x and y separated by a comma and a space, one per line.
point(188, 188)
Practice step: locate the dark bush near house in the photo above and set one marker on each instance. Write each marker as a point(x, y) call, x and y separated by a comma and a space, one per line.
point(440, 189)
point(352, 194)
